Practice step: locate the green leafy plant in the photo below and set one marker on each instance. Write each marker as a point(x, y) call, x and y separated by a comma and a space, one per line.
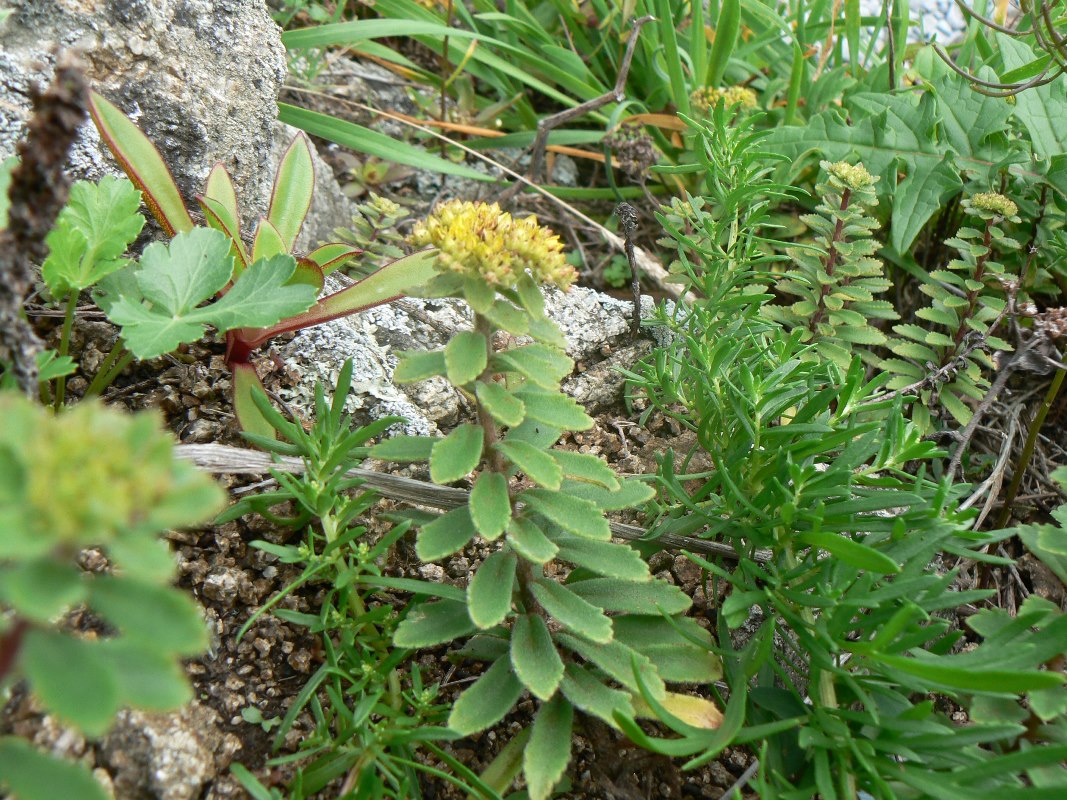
point(836, 277)
point(377, 709)
point(49, 512)
point(272, 291)
point(374, 232)
point(568, 643)
point(968, 299)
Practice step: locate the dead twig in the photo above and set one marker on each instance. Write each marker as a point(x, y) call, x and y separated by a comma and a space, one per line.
point(222, 459)
point(627, 215)
point(547, 124)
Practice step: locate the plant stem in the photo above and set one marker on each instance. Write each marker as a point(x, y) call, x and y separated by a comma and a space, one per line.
point(105, 379)
point(1028, 447)
point(64, 347)
point(98, 384)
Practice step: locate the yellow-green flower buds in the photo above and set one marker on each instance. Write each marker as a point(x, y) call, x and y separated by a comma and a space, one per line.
point(705, 98)
point(996, 203)
point(853, 176)
point(481, 241)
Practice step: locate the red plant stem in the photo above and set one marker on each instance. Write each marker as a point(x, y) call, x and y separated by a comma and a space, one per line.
point(9, 646)
point(831, 261)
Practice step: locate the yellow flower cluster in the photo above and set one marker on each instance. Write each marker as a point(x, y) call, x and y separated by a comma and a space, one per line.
point(997, 203)
point(705, 98)
point(854, 176)
point(480, 240)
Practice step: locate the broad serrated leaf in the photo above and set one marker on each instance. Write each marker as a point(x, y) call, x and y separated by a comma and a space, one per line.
point(148, 612)
point(489, 592)
point(587, 468)
point(456, 455)
point(590, 695)
point(429, 624)
point(487, 700)
point(548, 751)
point(555, 409)
point(541, 365)
point(572, 611)
point(403, 449)
point(612, 594)
point(604, 558)
point(70, 679)
point(530, 541)
point(31, 775)
point(573, 514)
point(534, 656)
point(618, 661)
point(465, 357)
point(501, 404)
point(539, 466)
point(490, 505)
point(445, 535)
point(91, 234)
point(173, 281)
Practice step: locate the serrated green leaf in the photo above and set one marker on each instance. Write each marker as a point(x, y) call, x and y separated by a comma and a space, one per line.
point(632, 494)
point(31, 775)
point(455, 456)
point(618, 661)
point(587, 468)
point(70, 679)
point(445, 535)
point(577, 516)
point(418, 365)
point(604, 558)
point(501, 404)
point(490, 504)
point(148, 612)
point(956, 407)
point(553, 408)
point(539, 466)
point(487, 700)
point(530, 541)
point(548, 752)
point(91, 234)
point(572, 611)
point(42, 589)
point(403, 449)
point(542, 365)
point(173, 281)
point(612, 594)
point(51, 365)
point(534, 656)
point(507, 317)
point(429, 624)
point(591, 696)
point(489, 592)
point(465, 357)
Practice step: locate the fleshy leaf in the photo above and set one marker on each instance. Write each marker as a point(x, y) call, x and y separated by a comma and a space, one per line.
point(294, 187)
point(534, 656)
point(573, 612)
point(465, 357)
point(501, 404)
point(549, 750)
point(445, 535)
point(456, 455)
point(434, 623)
point(490, 505)
point(487, 700)
point(489, 593)
point(539, 466)
point(574, 515)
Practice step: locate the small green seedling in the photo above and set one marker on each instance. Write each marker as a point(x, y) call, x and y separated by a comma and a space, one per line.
point(262, 288)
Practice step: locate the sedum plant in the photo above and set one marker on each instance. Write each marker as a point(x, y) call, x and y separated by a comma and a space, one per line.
point(262, 288)
point(557, 609)
point(49, 512)
point(967, 300)
point(373, 232)
point(836, 278)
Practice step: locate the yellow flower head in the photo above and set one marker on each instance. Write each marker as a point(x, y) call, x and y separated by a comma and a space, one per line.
point(854, 176)
point(705, 98)
point(480, 240)
point(997, 203)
